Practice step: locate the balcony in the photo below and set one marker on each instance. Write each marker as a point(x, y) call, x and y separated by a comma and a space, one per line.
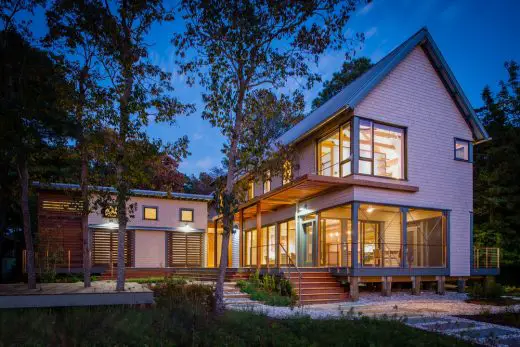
point(486, 261)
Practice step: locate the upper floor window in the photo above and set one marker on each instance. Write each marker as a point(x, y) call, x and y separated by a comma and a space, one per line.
point(462, 150)
point(110, 212)
point(287, 172)
point(381, 150)
point(267, 182)
point(334, 153)
point(186, 215)
point(250, 190)
point(149, 213)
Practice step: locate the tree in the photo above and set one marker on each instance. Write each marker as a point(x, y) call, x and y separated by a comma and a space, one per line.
point(205, 183)
point(142, 91)
point(241, 50)
point(350, 71)
point(33, 118)
point(70, 32)
point(497, 163)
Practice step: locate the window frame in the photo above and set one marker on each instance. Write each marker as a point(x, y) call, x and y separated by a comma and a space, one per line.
point(337, 130)
point(371, 160)
point(266, 180)
point(470, 154)
point(250, 190)
point(156, 212)
point(192, 214)
point(109, 216)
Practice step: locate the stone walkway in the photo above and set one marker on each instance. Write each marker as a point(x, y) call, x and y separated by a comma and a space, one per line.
point(428, 311)
point(470, 330)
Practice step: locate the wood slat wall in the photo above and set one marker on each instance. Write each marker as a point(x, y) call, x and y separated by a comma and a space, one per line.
point(184, 249)
point(104, 248)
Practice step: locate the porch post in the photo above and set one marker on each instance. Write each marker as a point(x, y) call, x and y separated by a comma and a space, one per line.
point(404, 237)
point(354, 253)
point(258, 234)
point(355, 145)
point(241, 237)
point(277, 244)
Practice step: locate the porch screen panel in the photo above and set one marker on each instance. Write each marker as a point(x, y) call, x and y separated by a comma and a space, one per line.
point(426, 238)
point(380, 234)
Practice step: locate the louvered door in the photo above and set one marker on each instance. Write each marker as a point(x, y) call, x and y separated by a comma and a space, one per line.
point(184, 249)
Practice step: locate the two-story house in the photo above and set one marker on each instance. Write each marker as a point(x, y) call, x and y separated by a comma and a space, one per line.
point(381, 191)
point(382, 188)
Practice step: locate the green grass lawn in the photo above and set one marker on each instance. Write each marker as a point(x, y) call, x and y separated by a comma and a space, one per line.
point(162, 326)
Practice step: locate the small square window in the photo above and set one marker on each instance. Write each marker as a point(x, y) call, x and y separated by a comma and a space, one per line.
point(110, 212)
point(150, 213)
point(250, 190)
point(186, 215)
point(462, 150)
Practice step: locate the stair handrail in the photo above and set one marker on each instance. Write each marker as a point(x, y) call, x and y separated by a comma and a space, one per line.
point(299, 273)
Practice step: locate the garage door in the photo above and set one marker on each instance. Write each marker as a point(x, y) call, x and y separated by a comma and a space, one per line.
point(185, 249)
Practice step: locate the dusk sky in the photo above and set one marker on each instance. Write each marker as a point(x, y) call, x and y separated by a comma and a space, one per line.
point(476, 37)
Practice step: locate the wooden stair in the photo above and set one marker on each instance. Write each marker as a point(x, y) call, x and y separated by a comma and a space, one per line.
point(317, 287)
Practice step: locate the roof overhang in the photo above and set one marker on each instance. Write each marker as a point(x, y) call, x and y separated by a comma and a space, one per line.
point(311, 185)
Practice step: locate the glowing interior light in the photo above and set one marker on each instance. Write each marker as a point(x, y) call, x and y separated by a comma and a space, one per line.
point(370, 209)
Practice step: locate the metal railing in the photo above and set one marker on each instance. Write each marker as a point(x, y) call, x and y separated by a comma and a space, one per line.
point(371, 254)
point(486, 258)
point(297, 269)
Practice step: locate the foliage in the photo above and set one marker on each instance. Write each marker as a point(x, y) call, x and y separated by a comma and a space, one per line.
point(165, 279)
point(244, 53)
point(490, 290)
point(271, 290)
point(510, 317)
point(350, 71)
point(497, 163)
point(128, 326)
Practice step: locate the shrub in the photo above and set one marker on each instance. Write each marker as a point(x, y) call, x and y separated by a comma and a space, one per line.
point(491, 290)
point(271, 290)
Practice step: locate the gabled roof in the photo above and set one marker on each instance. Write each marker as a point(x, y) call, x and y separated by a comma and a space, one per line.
point(133, 192)
point(355, 92)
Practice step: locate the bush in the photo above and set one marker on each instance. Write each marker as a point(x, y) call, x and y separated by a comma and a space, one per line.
point(271, 290)
point(490, 290)
point(174, 293)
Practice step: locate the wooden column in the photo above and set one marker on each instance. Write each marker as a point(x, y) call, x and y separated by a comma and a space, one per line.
point(277, 243)
point(404, 237)
point(416, 285)
point(258, 234)
point(354, 253)
point(241, 237)
point(354, 288)
point(386, 286)
point(441, 281)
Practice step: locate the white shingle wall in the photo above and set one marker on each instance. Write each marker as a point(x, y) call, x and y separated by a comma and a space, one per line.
point(412, 95)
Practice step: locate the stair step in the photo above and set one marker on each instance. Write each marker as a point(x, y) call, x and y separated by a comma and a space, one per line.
point(321, 290)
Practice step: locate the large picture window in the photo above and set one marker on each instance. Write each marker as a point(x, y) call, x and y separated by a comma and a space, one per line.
point(334, 153)
point(381, 150)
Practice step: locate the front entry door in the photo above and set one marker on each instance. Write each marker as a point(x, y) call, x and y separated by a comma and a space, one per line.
point(309, 243)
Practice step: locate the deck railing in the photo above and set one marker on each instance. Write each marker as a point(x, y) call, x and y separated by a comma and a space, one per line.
point(486, 258)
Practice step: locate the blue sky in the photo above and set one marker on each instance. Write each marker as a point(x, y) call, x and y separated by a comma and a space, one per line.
point(475, 36)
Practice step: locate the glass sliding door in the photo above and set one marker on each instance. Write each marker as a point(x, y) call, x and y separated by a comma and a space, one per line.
point(271, 237)
point(309, 241)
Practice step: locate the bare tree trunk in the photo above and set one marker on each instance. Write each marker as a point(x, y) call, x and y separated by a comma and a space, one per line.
point(23, 175)
point(227, 214)
point(121, 233)
point(87, 249)
point(82, 144)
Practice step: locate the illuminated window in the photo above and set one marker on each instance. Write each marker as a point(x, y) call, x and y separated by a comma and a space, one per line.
point(250, 190)
point(287, 172)
point(334, 153)
point(186, 215)
point(267, 182)
point(462, 150)
point(110, 212)
point(381, 150)
point(149, 213)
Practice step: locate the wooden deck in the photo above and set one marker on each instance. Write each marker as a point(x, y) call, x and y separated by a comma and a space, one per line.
point(73, 294)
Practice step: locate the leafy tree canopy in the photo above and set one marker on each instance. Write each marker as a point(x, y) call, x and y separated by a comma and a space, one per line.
point(350, 71)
